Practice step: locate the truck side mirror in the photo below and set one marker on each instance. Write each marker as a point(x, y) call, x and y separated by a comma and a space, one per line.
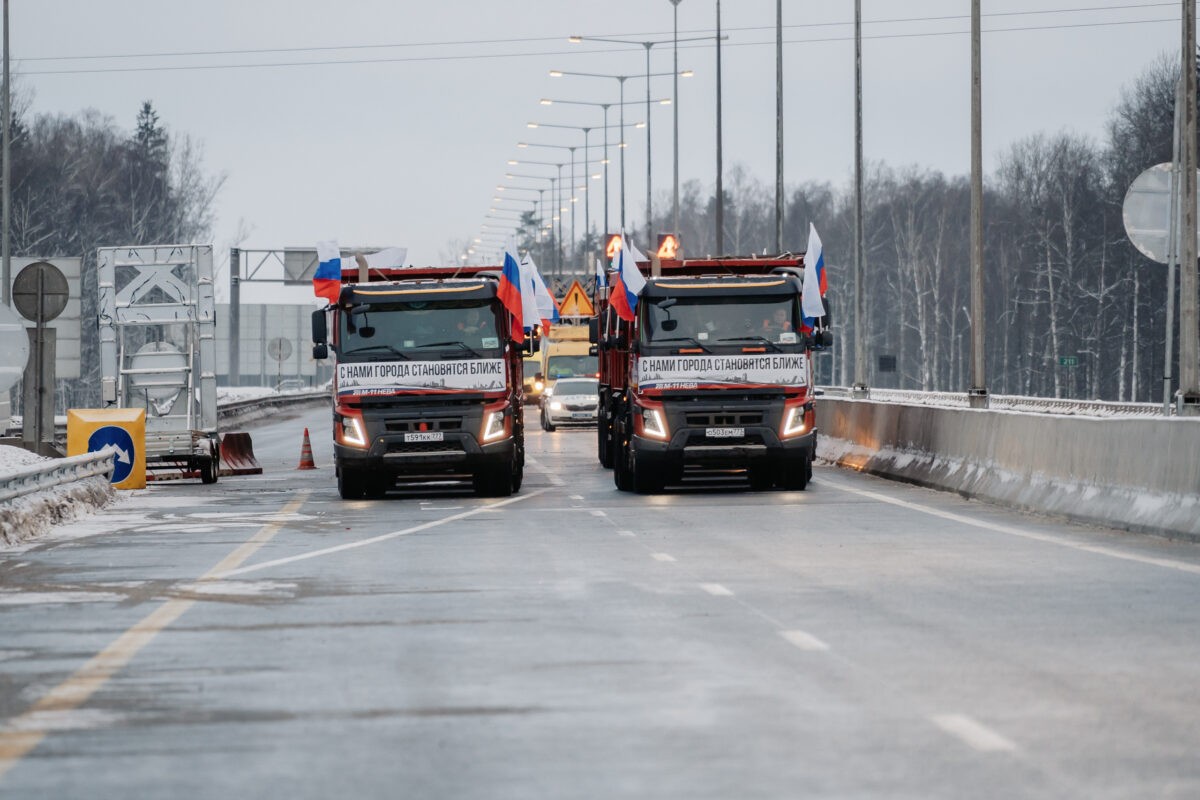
point(320, 330)
point(826, 339)
point(320, 351)
point(594, 350)
point(594, 330)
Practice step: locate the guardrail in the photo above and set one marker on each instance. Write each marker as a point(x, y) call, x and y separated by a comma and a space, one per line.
point(1000, 402)
point(240, 409)
point(56, 472)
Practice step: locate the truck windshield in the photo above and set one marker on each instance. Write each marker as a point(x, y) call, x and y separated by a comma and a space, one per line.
point(730, 320)
point(572, 367)
point(420, 330)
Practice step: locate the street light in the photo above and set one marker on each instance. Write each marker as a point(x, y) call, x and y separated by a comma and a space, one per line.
point(648, 45)
point(620, 79)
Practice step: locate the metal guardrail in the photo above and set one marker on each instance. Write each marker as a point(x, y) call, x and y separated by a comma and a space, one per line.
point(56, 472)
point(999, 402)
point(234, 409)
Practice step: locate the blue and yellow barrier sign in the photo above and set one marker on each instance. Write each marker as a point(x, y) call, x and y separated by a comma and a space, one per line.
point(90, 430)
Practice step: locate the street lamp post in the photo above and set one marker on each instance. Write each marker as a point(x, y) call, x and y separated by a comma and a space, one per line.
point(572, 149)
point(675, 115)
point(720, 221)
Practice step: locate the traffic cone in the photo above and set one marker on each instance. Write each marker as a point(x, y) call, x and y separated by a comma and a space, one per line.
point(306, 457)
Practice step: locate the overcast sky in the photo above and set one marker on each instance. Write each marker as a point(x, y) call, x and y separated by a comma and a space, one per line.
point(391, 122)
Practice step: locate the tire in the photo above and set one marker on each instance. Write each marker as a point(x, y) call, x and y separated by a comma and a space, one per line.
point(795, 474)
point(760, 477)
point(546, 425)
point(496, 480)
point(351, 483)
point(209, 469)
point(376, 486)
point(646, 480)
point(604, 448)
point(622, 469)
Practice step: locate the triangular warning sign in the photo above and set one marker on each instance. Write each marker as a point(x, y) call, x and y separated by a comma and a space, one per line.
point(575, 303)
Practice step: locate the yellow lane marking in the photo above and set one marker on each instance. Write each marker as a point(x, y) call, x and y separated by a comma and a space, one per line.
point(24, 732)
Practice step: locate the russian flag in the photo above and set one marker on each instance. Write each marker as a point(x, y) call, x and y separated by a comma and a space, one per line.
point(510, 295)
point(627, 282)
point(327, 280)
point(601, 281)
point(814, 278)
point(547, 308)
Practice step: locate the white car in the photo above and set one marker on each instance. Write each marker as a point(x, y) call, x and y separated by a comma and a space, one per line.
point(571, 401)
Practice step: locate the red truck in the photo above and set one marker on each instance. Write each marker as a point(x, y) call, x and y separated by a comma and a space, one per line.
point(714, 374)
point(428, 380)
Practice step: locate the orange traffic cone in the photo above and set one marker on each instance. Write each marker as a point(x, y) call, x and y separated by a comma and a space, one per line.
point(306, 457)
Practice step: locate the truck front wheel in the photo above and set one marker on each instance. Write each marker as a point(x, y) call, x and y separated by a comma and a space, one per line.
point(351, 483)
point(622, 469)
point(794, 474)
point(646, 480)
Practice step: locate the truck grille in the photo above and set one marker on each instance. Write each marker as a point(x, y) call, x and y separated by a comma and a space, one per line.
point(412, 448)
point(407, 425)
point(723, 419)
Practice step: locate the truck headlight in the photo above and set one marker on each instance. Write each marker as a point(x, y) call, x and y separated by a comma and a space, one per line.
point(653, 424)
point(795, 421)
point(493, 425)
point(352, 431)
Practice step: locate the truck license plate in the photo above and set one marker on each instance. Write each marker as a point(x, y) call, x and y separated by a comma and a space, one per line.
point(429, 436)
point(725, 433)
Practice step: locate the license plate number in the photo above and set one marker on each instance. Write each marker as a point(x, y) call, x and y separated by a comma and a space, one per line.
point(428, 436)
point(725, 433)
point(582, 415)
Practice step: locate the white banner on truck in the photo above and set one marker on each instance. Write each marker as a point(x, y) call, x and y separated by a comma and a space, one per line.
point(387, 377)
point(694, 372)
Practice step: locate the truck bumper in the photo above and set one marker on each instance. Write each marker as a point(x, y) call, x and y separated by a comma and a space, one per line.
point(458, 454)
point(760, 448)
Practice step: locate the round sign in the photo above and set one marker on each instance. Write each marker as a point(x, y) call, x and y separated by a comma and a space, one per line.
point(159, 369)
point(14, 348)
point(122, 441)
point(279, 348)
point(1147, 212)
point(53, 290)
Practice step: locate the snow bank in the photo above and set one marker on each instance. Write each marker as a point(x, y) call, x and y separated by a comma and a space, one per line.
point(26, 517)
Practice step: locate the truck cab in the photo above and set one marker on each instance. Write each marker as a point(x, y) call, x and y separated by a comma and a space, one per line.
point(428, 384)
point(715, 374)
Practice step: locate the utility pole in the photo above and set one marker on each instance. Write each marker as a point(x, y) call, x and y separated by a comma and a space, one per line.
point(720, 170)
point(675, 114)
point(5, 254)
point(977, 393)
point(778, 126)
point(1189, 344)
point(860, 302)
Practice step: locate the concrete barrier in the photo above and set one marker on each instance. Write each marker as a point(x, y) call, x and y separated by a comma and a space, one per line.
point(1133, 473)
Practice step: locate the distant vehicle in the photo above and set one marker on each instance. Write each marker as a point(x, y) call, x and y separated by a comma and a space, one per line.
point(566, 353)
point(572, 401)
point(533, 382)
point(291, 385)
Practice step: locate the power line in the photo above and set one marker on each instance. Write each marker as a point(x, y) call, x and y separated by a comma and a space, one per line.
point(572, 52)
point(527, 39)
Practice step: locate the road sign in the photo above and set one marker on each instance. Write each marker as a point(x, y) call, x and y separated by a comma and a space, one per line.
point(575, 303)
point(14, 348)
point(279, 349)
point(42, 280)
point(1068, 361)
point(1147, 212)
point(90, 430)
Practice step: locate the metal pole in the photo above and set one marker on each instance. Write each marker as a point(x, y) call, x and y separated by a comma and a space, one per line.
point(587, 195)
point(860, 302)
point(558, 249)
point(1172, 247)
point(5, 254)
point(622, 147)
point(1189, 344)
point(649, 222)
point(675, 116)
point(720, 221)
point(778, 126)
point(977, 393)
point(606, 228)
point(235, 295)
point(571, 203)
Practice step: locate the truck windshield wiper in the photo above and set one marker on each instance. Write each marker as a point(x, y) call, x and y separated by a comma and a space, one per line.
point(460, 345)
point(680, 339)
point(386, 348)
point(762, 339)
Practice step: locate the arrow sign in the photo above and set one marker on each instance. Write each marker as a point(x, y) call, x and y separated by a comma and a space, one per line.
point(120, 440)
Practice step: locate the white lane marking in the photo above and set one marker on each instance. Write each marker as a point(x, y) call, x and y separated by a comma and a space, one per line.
point(598, 513)
point(576, 496)
point(1168, 563)
point(716, 590)
point(626, 533)
point(805, 641)
point(974, 734)
point(381, 538)
point(662, 557)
